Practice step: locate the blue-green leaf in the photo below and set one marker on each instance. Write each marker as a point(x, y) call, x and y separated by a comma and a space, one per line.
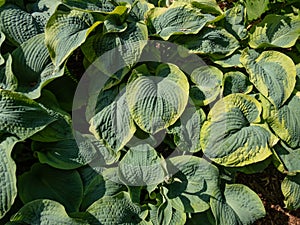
point(272, 73)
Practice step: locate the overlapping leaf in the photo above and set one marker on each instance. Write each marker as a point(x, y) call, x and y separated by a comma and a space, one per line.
point(156, 102)
point(177, 19)
point(231, 136)
point(117, 209)
point(290, 187)
point(208, 80)
point(186, 130)
point(275, 31)
point(285, 121)
point(217, 43)
point(239, 206)
point(21, 116)
point(236, 82)
point(272, 73)
point(44, 211)
point(141, 166)
point(50, 183)
point(65, 31)
point(10, 18)
point(193, 181)
point(288, 158)
point(112, 121)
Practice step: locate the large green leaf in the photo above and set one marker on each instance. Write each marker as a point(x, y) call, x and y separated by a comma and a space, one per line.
point(50, 183)
point(112, 121)
point(101, 185)
point(32, 67)
point(8, 183)
point(156, 102)
point(117, 209)
point(217, 43)
point(18, 25)
point(255, 8)
point(21, 116)
point(166, 215)
point(232, 137)
point(192, 181)
point(291, 190)
point(179, 18)
point(141, 166)
point(239, 206)
point(230, 61)
point(272, 73)
point(285, 121)
point(288, 158)
point(126, 47)
point(65, 31)
point(43, 211)
point(275, 31)
point(208, 80)
point(236, 82)
point(235, 21)
point(65, 154)
point(186, 130)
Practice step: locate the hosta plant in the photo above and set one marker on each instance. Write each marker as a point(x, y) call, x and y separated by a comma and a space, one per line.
point(144, 112)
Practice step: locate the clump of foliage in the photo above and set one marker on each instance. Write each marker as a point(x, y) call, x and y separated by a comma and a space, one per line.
point(238, 114)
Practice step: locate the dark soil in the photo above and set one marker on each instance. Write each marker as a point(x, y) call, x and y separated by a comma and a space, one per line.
point(268, 186)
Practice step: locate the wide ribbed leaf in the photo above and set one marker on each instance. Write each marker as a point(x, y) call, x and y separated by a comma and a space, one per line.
point(21, 116)
point(235, 21)
point(32, 67)
point(156, 102)
point(207, 6)
point(11, 18)
point(231, 136)
point(208, 80)
point(291, 190)
point(177, 19)
point(272, 73)
point(8, 183)
point(66, 30)
point(217, 43)
point(287, 158)
point(193, 181)
point(112, 121)
point(127, 47)
point(236, 82)
point(255, 8)
point(186, 130)
point(117, 209)
point(141, 166)
point(275, 31)
point(239, 206)
point(66, 154)
point(101, 185)
point(43, 211)
point(42, 10)
point(2, 39)
point(285, 121)
point(50, 183)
